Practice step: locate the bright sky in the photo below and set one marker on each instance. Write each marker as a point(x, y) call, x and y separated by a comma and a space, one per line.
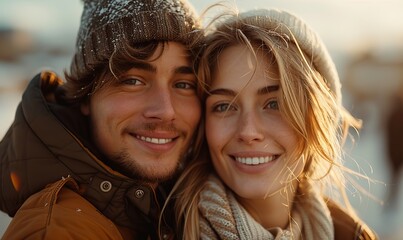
point(341, 23)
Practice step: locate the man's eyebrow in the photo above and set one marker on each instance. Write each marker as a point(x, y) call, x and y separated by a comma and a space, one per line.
point(150, 68)
point(144, 66)
point(184, 70)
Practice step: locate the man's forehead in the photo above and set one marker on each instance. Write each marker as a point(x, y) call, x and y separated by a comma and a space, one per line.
point(172, 55)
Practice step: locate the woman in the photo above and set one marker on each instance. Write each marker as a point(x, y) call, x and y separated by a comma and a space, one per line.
point(274, 128)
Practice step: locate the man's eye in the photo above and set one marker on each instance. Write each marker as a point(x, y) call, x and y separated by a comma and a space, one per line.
point(272, 104)
point(132, 81)
point(185, 85)
point(223, 107)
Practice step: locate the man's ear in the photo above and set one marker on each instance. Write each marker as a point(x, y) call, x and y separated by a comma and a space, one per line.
point(85, 108)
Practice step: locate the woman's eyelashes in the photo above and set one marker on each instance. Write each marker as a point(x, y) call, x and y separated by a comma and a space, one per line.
point(271, 104)
point(223, 107)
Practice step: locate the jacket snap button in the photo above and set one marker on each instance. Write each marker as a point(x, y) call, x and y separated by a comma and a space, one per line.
point(105, 186)
point(139, 193)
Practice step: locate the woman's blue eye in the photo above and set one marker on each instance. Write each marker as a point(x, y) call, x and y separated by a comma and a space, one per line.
point(223, 107)
point(272, 104)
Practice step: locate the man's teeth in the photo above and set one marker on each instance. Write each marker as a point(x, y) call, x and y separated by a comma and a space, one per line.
point(254, 160)
point(155, 140)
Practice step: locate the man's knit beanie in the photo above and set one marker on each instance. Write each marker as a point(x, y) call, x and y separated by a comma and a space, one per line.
point(108, 24)
point(283, 22)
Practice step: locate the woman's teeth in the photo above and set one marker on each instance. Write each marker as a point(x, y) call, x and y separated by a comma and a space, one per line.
point(254, 160)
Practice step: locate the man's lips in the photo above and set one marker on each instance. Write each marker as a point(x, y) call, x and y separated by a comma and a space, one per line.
point(154, 139)
point(157, 143)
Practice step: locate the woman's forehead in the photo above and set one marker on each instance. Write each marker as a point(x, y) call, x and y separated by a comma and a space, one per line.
point(238, 64)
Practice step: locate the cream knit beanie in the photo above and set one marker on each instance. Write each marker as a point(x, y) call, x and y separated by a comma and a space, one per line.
point(309, 41)
point(106, 24)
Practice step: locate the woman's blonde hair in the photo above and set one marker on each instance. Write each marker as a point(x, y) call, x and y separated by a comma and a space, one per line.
point(309, 100)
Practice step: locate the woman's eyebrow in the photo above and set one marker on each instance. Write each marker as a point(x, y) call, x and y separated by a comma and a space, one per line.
point(229, 92)
point(268, 89)
point(222, 91)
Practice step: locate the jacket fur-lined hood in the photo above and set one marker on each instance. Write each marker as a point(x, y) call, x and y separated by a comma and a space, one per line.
point(40, 149)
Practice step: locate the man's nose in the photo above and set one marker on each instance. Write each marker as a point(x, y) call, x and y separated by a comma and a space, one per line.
point(160, 106)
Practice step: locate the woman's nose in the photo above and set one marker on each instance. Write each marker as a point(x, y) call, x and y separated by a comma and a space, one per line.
point(249, 128)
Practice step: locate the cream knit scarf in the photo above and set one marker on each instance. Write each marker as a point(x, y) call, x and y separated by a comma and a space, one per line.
point(222, 217)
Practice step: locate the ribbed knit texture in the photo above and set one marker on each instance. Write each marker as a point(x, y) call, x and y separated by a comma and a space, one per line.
point(224, 218)
point(215, 208)
point(309, 41)
point(107, 24)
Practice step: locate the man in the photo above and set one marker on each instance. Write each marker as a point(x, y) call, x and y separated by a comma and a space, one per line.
point(91, 158)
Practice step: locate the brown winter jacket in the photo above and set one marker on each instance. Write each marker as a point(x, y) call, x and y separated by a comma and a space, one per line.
point(347, 227)
point(46, 144)
point(59, 212)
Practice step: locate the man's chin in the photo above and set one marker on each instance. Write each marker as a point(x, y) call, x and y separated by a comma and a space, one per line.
point(152, 174)
point(157, 177)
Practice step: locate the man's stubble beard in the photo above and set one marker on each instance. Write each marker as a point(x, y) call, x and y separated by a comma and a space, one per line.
point(128, 165)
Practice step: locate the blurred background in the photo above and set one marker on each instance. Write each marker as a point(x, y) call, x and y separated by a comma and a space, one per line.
point(364, 37)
